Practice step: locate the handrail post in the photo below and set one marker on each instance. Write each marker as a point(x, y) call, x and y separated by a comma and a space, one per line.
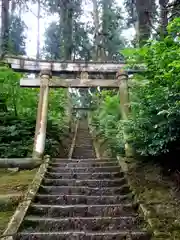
point(122, 77)
point(69, 110)
point(42, 112)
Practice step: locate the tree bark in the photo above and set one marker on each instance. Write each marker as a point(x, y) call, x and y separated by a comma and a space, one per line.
point(4, 27)
point(38, 30)
point(144, 29)
point(163, 17)
point(13, 6)
point(106, 5)
point(97, 41)
point(66, 23)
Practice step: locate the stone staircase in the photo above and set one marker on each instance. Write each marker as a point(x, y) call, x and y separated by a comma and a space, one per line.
point(83, 199)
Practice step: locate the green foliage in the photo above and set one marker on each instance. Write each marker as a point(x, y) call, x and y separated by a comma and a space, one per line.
point(112, 26)
point(53, 48)
point(69, 13)
point(105, 119)
point(16, 136)
point(16, 36)
point(154, 127)
point(18, 117)
point(72, 38)
point(52, 41)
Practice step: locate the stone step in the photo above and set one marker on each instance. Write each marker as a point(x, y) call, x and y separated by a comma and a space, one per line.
point(85, 145)
point(88, 182)
point(87, 149)
point(84, 169)
point(86, 140)
point(74, 235)
point(38, 224)
point(78, 190)
point(88, 160)
point(83, 199)
point(97, 175)
point(113, 210)
point(81, 143)
point(83, 164)
point(82, 150)
point(81, 155)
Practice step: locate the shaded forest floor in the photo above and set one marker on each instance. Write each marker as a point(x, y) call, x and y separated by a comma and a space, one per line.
point(157, 193)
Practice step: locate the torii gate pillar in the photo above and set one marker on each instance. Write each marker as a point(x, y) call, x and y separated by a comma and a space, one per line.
point(42, 112)
point(122, 76)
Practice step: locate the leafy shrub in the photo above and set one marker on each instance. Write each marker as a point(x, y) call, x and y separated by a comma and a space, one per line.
point(105, 120)
point(18, 108)
point(154, 126)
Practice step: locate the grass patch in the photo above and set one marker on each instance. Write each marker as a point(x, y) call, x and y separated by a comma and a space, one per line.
point(17, 182)
point(13, 186)
point(4, 219)
point(157, 193)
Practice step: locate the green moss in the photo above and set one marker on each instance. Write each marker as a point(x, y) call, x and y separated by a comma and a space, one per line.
point(15, 182)
point(12, 189)
point(8, 204)
point(155, 192)
point(4, 219)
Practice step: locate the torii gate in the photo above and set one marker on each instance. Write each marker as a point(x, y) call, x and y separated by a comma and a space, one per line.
point(81, 75)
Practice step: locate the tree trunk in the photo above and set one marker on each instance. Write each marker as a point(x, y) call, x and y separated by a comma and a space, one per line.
point(106, 5)
point(38, 30)
point(144, 28)
point(12, 6)
point(68, 34)
point(4, 27)
point(163, 17)
point(97, 39)
point(66, 23)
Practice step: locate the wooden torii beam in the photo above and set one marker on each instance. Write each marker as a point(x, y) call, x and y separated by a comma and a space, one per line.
point(73, 83)
point(58, 67)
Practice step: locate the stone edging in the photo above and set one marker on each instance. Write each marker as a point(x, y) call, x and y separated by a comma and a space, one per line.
point(19, 163)
point(73, 141)
point(158, 235)
point(142, 207)
point(23, 206)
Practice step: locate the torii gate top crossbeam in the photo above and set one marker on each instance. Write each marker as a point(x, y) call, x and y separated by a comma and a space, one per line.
point(58, 67)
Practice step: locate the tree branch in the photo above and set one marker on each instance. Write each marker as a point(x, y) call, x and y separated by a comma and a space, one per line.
point(173, 4)
point(150, 23)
